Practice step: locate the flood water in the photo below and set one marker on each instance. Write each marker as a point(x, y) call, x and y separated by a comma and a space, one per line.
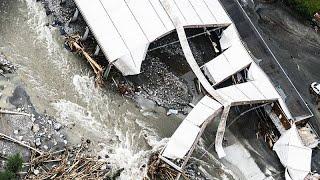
point(62, 85)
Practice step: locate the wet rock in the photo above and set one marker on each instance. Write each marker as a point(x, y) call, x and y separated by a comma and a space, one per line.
point(20, 138)
point(55, 142)
point(103, 167)
point(172, 111)
point(116, 174)
point(5, 65)
point(36, 172)
point(57, 126)
point(33, 119)
point(38, 141)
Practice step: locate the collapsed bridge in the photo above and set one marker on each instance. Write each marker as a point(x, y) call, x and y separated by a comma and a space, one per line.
point(124, 30)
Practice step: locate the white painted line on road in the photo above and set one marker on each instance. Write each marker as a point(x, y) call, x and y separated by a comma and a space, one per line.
point(264, 42)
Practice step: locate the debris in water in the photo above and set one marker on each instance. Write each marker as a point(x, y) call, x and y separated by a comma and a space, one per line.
point(71, 163)
point(74, 43)
point(172, 111)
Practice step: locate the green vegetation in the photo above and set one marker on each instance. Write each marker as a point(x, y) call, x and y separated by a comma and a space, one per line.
point(305, 7)
point(13, 166)
point(7, 175)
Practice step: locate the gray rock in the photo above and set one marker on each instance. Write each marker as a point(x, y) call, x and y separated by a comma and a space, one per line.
point(38, 142)
point(57, 126)
point(172, 111)
point(16, 131)
point(55, 142)
point(36, 172)
point(33, 119)
point(20, 138)
point(103, 167)
point(35, 128)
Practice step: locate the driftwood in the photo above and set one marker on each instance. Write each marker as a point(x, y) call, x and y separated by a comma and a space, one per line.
point(8, 138)
point(75, 45)
point(69, 164)
point(14, 113)
point(157, 169)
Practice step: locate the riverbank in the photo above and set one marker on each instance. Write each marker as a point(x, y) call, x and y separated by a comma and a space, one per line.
point(40, 139)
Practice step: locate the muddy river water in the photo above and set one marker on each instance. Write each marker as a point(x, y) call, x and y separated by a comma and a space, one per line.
point(62, 85)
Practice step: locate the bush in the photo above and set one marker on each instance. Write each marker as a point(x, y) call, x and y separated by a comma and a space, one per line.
point(13, 166)
point(14, 163)
point(7, 175)
point(305, 7)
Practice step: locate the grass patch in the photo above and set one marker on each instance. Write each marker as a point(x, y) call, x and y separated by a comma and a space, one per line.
point(13, 166)
point(305, 7)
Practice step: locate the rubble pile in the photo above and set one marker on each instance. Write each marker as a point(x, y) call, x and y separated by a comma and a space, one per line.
point(163, 86)
point(61, 11)
point(157, 169)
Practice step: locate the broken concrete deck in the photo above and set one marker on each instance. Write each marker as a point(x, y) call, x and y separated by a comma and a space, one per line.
point(267, 61)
